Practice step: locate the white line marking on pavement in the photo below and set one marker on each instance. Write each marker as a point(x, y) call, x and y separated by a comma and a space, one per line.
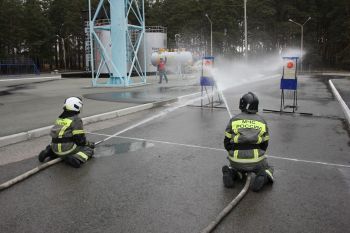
point(20, 79)
point(217, 149)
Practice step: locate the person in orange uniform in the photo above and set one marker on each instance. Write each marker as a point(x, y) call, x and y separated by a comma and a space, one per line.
point(162, 70)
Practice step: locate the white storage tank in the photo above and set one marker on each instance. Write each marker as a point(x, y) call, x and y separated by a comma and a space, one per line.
point(156, 40)
point(105, 38)
point(174, 59)
point(155, 37)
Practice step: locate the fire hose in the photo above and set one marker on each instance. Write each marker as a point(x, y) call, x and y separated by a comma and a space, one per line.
point(229, 207)
point(33, 171)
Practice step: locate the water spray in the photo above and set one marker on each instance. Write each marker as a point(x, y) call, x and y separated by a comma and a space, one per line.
point(225, 102)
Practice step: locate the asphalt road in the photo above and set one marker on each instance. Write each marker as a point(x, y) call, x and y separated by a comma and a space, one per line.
point(34, 102)
point(165, 175)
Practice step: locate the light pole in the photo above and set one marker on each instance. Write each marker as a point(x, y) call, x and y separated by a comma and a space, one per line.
point(302, 39)
point(245, 31)
point(177, 40)
point(211, 35)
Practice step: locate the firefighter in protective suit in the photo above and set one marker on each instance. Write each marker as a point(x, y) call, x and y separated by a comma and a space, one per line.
point(246, 140)
point(68, 136)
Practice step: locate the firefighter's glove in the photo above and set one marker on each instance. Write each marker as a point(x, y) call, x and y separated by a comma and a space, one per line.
point(91, 145)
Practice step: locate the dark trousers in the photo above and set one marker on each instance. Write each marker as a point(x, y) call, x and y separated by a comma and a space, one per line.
point(161, 74)
point(256, 168)
point(73, 159)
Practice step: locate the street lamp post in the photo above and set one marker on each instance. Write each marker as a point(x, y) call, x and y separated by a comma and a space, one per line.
point(245, 31)
point(177, 40)
point(211, 35)
point(302, 40)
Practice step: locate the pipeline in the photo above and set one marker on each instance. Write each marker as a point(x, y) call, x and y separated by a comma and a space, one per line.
point(229, 207)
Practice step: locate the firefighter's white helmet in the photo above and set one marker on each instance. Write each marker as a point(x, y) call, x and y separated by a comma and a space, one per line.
point(73, 104)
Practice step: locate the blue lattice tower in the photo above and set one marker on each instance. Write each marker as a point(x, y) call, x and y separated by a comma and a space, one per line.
point(121, 58)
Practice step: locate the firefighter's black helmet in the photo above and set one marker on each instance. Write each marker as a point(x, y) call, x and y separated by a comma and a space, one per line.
point(249, 103)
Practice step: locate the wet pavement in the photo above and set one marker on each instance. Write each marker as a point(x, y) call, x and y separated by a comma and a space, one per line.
point(27, 103)
point(144, 96)
point(165, 175)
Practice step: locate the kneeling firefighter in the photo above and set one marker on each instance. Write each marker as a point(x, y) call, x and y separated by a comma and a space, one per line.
point(68, 136)
point(246, 140)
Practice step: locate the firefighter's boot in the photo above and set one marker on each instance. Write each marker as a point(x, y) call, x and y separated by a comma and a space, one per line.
point(47, 152)
point(262, 178)
point(227, 177)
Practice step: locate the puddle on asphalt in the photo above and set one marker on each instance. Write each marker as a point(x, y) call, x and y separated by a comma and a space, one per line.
point(158, 94)
point(110, 150)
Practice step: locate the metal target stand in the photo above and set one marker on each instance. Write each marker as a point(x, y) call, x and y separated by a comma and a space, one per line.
point(207, 81)
point(289, 82)
point(208, 86)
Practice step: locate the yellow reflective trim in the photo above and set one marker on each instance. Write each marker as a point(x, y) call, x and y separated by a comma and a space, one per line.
point(270, 174)
point(266, 138)
point(256, 153)
point(83, 155)
point(228, 135)
point(261, 133)
point(235, 154)
point(78, 132)
point(259, 138)
point(66, 152)
point(248, 124)
point(65, 123)
point(251, 160)
point(235, 139)
point(234, 128)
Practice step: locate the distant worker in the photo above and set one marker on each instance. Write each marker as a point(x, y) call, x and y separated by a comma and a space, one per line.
point(162, 69)
point(246, 140)
point(68, 136)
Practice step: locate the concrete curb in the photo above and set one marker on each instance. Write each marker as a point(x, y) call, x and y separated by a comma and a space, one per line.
point(341, 101)
point(35, 133)
point(33, 78)
point(335, 74)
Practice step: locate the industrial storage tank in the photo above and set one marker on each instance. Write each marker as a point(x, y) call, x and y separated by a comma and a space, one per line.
point(174, 59)
point(156, 40)
point(105, 38)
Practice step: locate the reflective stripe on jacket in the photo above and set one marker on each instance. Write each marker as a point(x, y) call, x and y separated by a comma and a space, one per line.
point(246, 133)
point(62, 134)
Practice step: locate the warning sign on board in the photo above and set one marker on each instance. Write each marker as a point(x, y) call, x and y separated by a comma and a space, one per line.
point(289, 69)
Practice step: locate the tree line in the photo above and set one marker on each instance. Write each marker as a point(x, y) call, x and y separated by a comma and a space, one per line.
point(40, 29)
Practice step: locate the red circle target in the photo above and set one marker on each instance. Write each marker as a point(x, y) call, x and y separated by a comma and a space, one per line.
point(290, 65)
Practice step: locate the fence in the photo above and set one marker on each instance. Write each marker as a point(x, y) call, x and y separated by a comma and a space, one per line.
point(11, 66)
